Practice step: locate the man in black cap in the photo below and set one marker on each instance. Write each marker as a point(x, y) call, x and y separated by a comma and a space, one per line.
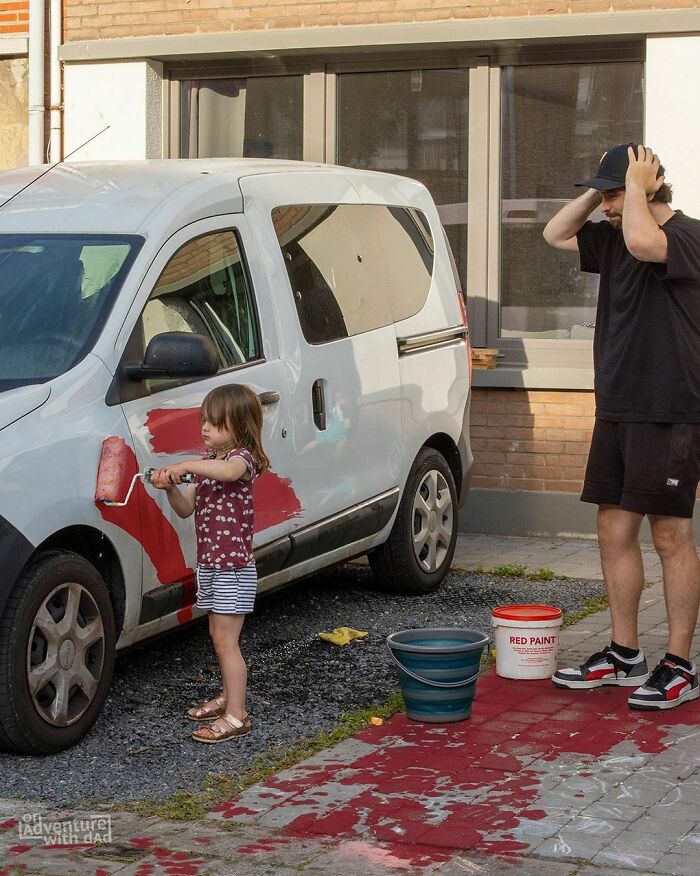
point(645, 451)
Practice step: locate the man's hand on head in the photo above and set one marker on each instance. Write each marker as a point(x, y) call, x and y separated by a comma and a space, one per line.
point(642, 171)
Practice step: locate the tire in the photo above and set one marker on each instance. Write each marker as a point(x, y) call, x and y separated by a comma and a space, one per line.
point(57, 597)
point(428, 506)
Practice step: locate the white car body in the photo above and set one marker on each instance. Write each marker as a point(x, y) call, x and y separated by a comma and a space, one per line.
point(331, 494)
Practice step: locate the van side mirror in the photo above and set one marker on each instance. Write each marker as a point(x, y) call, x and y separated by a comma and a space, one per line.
point(176, 354)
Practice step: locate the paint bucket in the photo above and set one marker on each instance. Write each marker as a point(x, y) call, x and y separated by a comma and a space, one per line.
point(527, 639)
point(438, 668)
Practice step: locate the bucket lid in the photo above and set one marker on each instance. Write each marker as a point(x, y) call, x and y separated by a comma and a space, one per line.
point(527, 612)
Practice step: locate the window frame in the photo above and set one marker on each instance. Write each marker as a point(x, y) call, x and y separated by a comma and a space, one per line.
point(529, 362)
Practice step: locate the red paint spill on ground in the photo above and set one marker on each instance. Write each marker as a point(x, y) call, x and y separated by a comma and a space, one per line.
point(172, 864)
point(465, 786)
point(9, 823)
point(18, 849)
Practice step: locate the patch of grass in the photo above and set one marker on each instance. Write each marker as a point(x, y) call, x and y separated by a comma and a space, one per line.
point(590, 606)
point(512, 570)
point(185, 806)
point(543, 574)
point(479, 569)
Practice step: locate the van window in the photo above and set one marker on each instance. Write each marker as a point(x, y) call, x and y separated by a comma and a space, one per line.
point(354, 267)
point(204, 289)
point(56, 291)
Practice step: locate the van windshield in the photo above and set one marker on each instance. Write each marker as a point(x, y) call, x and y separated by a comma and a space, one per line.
point(56, 291)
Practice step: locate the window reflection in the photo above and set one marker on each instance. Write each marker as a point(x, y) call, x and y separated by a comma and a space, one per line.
point(557, 121)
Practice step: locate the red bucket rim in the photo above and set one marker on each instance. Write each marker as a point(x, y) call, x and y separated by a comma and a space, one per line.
point(527, 612)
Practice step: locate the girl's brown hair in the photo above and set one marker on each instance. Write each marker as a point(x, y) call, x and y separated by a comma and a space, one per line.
point(237, 408)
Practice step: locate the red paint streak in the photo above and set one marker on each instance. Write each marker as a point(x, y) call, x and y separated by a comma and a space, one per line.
point(177, 431)
point(18, 850)
point(9, 823)
point(143, 519)
point(142, 842)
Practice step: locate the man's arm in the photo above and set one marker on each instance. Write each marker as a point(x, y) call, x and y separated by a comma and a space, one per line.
point(561, 230)
point(643, 237)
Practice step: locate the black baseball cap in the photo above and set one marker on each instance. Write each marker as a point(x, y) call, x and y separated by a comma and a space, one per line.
point(612, 169)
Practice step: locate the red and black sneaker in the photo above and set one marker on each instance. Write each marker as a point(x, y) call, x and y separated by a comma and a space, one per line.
point(669, 686)
point(604, 668)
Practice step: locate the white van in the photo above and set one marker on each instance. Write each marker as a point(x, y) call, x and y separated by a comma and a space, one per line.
point(127, 292)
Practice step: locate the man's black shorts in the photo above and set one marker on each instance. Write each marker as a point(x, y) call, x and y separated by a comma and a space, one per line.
point(648, 468)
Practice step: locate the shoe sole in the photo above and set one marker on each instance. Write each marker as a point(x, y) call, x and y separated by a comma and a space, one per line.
point(646, 706)
point(220, 740)
point(637, 681)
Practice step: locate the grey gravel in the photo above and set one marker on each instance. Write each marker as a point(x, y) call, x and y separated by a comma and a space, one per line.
point(140, 746)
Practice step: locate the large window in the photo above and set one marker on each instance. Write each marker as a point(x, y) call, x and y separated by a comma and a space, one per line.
point(257, 117)
point(353, 268)
point(412, 122)
point(557, 121)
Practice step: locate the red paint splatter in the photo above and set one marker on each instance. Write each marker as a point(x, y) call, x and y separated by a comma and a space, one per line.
point(142, 842)
point(8, 824)
point(423, 778)
point(18, 849)
point(143, 519)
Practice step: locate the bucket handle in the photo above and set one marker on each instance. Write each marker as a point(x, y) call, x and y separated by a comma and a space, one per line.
point(428, 681)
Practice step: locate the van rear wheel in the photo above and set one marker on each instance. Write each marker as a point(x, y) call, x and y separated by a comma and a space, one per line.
point(418, 553)
point(57, 645)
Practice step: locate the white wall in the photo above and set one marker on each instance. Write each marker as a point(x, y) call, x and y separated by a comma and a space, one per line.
point(127, 96)
point(673, 114)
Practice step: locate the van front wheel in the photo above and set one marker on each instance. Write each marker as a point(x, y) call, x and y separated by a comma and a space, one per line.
point(57, 644)
point(417, 555)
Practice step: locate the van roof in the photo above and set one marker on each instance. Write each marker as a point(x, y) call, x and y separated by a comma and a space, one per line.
point(121, 196)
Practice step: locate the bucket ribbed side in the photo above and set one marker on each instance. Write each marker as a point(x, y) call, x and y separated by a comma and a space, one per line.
point(430, 658)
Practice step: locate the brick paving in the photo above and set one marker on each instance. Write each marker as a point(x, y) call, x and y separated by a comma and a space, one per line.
point(539, 781)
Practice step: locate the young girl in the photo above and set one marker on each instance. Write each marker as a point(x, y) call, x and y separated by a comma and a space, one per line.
point(222, 501)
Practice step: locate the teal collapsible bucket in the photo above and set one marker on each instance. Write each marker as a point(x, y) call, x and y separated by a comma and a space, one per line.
point(438, 668)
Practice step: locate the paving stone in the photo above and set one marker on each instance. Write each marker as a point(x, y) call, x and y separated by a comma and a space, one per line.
point(676, 865)
point(466, 865)
point(689, 845)
point(638, 849)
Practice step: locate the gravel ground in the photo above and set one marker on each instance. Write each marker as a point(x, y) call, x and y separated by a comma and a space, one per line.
point(298, 685)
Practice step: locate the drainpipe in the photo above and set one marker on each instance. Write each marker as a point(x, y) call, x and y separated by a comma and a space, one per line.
point(36, 82)
point(55, 76)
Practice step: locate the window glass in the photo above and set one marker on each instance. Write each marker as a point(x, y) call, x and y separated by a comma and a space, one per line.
point(557, 121)
point(353, 268)
point(252, 118)
point(56, 292)
point(415, 123)
point(204, 289)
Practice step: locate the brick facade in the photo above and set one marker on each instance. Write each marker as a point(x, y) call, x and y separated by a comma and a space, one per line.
point(130, 18)
point(14, 17)
point(530, 440)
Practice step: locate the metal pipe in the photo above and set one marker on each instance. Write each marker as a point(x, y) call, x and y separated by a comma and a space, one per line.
point(55, 102)
point(36, 82)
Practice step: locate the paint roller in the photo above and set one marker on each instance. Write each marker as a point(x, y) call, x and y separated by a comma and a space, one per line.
point(115, 461)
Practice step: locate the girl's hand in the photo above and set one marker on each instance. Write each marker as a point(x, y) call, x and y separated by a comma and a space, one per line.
point(175, 472)
point(160, 481)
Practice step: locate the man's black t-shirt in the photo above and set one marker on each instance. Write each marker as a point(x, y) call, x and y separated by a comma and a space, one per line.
point(646, 349)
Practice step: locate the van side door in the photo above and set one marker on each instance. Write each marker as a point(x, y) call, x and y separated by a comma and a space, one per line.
point(201, 282)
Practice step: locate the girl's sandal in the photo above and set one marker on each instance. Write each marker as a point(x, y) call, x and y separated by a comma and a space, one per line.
point(211, 734)
point(202, 713)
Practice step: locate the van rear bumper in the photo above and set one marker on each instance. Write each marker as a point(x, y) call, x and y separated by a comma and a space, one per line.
point(15, 550)
point(465, 455)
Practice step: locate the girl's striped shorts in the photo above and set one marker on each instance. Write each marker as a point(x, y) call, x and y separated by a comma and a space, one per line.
point(227, 591)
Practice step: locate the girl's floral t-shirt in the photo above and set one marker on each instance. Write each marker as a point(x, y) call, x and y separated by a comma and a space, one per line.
point(224, 517)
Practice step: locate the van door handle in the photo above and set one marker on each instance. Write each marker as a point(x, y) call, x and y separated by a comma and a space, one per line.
point(319, 405)
point(269, 398)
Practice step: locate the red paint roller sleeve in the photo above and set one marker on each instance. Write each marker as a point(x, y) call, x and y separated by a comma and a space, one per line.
point(113, 473)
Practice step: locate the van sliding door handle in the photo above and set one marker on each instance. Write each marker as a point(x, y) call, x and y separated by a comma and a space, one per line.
point(269, 398)
point(318, 402)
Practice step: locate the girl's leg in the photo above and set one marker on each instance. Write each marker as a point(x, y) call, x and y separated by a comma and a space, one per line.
point(225, 630)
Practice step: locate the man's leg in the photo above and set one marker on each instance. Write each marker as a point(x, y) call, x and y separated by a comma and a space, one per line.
point(622, 663)
point(623, 572)
point(673, 540)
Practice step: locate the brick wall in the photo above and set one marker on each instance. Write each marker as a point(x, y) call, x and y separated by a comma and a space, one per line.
point(121, 18)
point(530, 440)
point(14, 17)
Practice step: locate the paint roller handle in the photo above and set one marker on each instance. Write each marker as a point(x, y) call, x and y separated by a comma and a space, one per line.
point(185, 479)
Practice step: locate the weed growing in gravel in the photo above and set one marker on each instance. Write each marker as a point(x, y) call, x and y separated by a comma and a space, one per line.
point(512, 570)
point(184, 806)
point(543, 574)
